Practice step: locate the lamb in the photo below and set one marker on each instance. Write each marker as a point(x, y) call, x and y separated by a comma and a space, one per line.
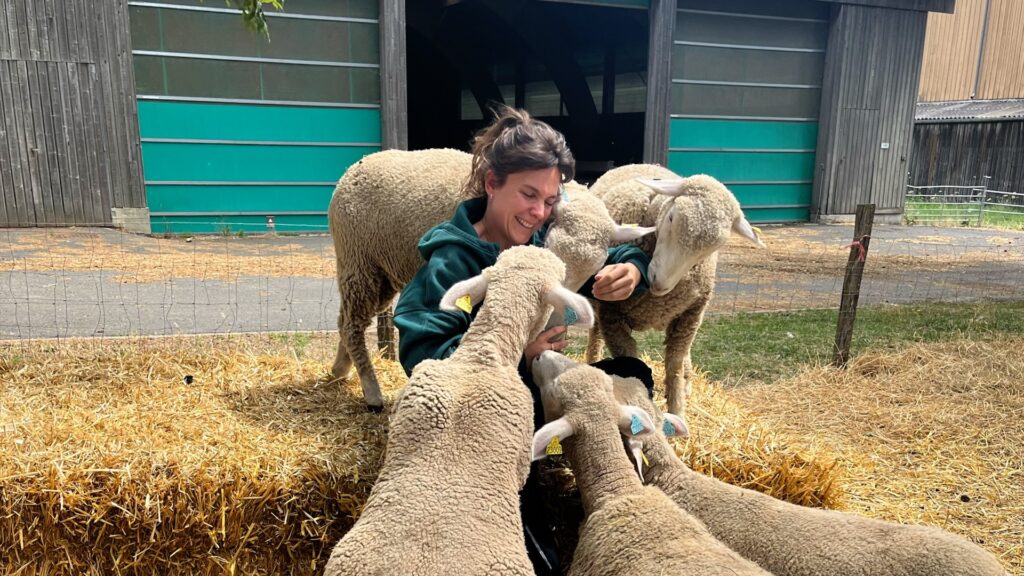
point(791, 540)
point(446, 500)
point(629, 529)
point(694, 218)
point(381, 207)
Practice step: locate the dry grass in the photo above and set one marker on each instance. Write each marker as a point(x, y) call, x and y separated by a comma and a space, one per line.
point(112, 463)
point(930, 434)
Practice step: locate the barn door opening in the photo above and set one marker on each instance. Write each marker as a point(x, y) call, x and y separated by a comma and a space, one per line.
point(581, 68)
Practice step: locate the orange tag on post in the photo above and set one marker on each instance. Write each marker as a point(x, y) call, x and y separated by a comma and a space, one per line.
point(554, 447)
point(464, 303)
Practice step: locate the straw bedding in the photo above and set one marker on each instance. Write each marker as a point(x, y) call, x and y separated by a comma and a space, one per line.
point(114, 461)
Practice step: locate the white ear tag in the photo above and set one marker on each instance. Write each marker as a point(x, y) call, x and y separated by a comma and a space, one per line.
point(464, 303)
point(554, 447)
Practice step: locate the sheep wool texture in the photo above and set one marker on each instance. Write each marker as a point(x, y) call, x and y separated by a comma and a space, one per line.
point(629, 528)
point(791, 540)
point(381, 207)
point(458, 452)
point(702, 224)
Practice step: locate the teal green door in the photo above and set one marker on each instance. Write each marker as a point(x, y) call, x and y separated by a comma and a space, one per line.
point(242, 135)
point(746, 86)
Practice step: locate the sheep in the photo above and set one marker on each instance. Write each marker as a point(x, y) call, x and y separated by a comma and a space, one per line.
point(381, 208)
point(791, 540)
point(458, 452)
point(628, 528)
point(694, 218)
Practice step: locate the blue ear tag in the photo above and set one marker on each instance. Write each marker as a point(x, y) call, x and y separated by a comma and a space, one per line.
point(564, 194)
point(668, 428)
point(634, 425)
point(570, 317)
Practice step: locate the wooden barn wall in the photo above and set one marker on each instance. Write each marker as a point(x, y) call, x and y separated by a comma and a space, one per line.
point(951, 53)
point(70, 147)
point(1002, 65)
point(963, 153)
point(872, 69)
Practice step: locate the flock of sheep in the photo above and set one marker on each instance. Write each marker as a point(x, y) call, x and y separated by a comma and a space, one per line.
point(461, 435)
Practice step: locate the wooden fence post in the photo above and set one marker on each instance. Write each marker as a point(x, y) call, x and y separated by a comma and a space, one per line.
point(851, 283)
point(386, 334)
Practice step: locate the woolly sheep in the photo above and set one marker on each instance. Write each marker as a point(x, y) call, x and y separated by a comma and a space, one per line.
point(446, 500)
point(791, 540)
point(694, 218)
point(628, 529)
point(384, 204)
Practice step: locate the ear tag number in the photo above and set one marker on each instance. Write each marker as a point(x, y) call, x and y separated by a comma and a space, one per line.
point(668, 428)
point(464, 303)
point(570, 317)
point(635, 426)
point(554, 447)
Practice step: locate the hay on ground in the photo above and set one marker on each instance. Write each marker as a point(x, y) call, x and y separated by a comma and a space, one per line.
point(112, 461)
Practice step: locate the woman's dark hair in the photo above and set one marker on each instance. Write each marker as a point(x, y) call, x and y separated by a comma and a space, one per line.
point(516, 142)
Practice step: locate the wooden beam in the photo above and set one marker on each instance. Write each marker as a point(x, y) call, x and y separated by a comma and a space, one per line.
point(394, 106)
point(662, 18)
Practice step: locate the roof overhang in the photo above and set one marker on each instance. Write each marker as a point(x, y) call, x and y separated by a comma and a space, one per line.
point(945, 6)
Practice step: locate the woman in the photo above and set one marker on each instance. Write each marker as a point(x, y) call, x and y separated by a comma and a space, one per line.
point(519, 166)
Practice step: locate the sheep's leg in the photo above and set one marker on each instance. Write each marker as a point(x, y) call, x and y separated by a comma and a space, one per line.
point(595, 345)
point(617, 335)
point(678, 367)
point(360, 295)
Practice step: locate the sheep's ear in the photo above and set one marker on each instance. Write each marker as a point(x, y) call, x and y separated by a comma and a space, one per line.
point(673, 425)
point(548, 440)
point(666, 187)
point(634, 421)
point(743, 228)
point(623, 234)
point(465, 294)
point(561, 298)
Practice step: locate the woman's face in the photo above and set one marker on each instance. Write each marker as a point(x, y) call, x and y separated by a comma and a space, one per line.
point(520, 206)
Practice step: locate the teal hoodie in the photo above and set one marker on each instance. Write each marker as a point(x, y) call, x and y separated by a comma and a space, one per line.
point(454, 252)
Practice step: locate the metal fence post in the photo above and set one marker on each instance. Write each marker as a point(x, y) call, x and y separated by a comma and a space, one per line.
point(984, 195)
point(851, 283)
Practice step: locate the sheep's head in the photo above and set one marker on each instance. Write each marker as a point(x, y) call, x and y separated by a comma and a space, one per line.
point(576, 396)
point(583, 231)
point(696, 216)
point(525, 280)
point(631, 392)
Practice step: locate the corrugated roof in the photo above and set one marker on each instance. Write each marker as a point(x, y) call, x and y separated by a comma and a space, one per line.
point(970, 111)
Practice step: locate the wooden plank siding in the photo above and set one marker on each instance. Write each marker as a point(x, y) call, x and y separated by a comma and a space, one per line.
point(963, 153)
point(952, 46)
point(70, 150)
point(872, 68)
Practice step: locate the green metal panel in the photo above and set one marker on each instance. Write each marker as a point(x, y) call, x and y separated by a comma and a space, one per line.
point(767, 194)
point(744, 166)
point(235, 224)
point(241, 163)
point(777, 215)
point(238, 198)
point(694, 133)
point(205, 121)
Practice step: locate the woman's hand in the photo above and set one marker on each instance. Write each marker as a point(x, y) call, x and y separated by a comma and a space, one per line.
point(550, 339)
point(616, 282)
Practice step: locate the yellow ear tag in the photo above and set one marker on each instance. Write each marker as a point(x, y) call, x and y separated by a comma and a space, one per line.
point(554, 447)
point(464, 303)
point(644, 456)
point(757, 231)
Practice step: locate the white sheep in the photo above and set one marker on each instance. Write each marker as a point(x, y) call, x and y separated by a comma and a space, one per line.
point(791, 540)
point(381, 208)
point(694, 218)
point(628, 528)
point(446, 500)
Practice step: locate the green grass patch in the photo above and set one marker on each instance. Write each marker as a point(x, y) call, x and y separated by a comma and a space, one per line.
point(926, 212)
point(769, 346)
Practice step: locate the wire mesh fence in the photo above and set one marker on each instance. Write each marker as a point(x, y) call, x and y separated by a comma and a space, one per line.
point(964, 206)
point(97, 282)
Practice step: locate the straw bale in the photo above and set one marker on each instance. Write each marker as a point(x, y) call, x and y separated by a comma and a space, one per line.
point(112, 463)
point(929, 434)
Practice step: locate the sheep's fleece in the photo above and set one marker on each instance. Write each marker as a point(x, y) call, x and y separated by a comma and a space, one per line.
point(791, 540)
point(458, 452)
point(629, 529)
